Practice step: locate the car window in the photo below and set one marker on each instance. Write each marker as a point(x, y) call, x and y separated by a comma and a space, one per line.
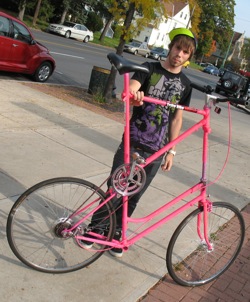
point(135, 44)
point(4, 26)
point(21, 33)
point(78, 27)
point(84, 28)
point(69, 24)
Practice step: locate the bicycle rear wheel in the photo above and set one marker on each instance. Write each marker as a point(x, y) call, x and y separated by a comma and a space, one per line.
point(189, 261)
point(37, 219)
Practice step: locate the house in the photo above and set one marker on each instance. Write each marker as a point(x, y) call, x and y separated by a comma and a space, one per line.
point(178, 15)
point(233, 52)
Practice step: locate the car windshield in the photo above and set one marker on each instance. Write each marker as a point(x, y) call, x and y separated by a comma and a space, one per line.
point(69, 24)
point(135, 44)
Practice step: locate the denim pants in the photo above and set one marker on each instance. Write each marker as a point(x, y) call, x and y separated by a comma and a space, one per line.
point(150, 170)
point(118, 160)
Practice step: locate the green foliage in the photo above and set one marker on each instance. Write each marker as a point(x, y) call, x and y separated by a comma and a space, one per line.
point(46, 10)
point(217, 22)
point(145, 12)
point(94, 22)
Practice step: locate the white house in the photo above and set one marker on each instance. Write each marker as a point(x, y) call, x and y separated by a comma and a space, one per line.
point(178, 15)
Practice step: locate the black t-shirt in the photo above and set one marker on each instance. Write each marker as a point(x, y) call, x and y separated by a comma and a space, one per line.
point(149, 123)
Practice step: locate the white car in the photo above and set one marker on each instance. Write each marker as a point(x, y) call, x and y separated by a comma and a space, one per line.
point(72, 30)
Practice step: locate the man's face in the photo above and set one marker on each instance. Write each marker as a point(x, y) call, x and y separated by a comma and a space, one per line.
point(178, 55)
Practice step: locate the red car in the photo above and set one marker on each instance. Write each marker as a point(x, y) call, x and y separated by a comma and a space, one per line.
point(20, 52)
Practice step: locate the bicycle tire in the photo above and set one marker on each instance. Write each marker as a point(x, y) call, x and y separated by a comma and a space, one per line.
point(38, 216)
point(188, 260)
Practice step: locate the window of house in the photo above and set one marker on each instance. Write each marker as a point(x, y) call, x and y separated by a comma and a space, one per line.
point(185, 17)
point(181, 15)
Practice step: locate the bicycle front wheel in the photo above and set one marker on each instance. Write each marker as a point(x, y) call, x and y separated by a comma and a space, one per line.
point(38, 218)
point(189, 261)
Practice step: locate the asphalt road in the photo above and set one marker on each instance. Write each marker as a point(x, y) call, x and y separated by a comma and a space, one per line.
point(75, 61)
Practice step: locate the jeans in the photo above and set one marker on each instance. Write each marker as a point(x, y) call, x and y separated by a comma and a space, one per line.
point(150, 170)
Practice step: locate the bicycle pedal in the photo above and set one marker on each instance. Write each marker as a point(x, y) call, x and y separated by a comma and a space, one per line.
point(138, 158)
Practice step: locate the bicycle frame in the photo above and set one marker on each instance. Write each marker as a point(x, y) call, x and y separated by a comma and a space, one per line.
point(201, 199)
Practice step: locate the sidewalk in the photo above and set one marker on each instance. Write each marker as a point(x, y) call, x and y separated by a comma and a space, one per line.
point(233, 285)
point(43, 137)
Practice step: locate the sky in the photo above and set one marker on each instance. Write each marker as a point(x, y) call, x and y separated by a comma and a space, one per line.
point(242, 17)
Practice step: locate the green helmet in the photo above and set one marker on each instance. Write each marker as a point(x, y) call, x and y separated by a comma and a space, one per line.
point(182, 31)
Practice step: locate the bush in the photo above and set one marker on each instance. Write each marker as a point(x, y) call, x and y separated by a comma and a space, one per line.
point(94, 22)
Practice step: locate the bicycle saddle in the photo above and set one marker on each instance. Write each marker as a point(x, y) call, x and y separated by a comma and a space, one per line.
point(124, 66)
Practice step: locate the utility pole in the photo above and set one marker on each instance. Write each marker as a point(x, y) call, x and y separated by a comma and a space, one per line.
point(228, 49)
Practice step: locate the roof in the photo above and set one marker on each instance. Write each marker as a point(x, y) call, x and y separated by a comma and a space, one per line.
point(174, 7)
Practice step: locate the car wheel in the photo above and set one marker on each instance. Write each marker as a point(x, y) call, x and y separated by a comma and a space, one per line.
point(67, 34)
point(86, 39)
point(43, 72)
point(135, 52)
point(228, 84)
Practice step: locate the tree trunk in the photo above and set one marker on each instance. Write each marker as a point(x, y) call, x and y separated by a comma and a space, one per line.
point(111, 80)
point(36, 12)
point(64, 15)
point(21, 9)
point(106, 27)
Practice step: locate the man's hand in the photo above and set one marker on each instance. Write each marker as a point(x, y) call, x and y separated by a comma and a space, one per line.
point(168, 162)
point(137, 98)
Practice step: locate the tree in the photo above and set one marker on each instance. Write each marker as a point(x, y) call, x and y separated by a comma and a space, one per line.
point(217, 22)
point(94, 22)
point(102, 7)
point(21, 9)
point(136, 15)
point(36, 12)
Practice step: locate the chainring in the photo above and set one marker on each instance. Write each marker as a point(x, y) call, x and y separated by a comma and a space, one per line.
point(126, 183)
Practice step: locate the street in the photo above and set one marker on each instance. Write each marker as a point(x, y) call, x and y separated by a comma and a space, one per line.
point(76, 59)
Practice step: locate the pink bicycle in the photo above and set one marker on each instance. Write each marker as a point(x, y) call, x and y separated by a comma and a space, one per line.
point(48, 222)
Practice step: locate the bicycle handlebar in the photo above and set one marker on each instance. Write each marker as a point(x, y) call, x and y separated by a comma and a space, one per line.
point(208, 90)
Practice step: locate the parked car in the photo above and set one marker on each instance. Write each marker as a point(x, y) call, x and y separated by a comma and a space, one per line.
point(21, 53)
point(204, 65)
point(211, 70)
point(137, 48)
point(232, 83)
point(72, 30)
point(158, 53)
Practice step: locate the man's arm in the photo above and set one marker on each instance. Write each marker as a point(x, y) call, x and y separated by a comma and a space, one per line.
point(174, 131)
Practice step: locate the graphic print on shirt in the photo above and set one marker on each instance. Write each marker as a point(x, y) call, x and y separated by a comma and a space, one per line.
point(150, 127)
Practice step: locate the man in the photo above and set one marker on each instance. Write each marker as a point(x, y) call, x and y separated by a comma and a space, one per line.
point(153, 126)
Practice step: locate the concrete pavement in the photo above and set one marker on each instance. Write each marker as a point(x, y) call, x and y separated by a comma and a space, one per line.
point(44, 137)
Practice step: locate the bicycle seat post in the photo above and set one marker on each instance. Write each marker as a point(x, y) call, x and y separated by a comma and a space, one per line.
point(125, 96)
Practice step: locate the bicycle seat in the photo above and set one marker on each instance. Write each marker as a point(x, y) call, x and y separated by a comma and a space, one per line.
point(124, 66)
